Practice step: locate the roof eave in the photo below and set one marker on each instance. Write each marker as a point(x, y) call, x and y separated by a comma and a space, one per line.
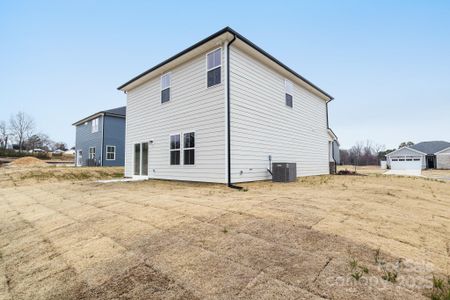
point(238, 36)
point(93, 116)
point(412, 149)
point(445, 149)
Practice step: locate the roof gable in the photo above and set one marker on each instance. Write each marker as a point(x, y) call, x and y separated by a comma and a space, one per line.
point(405, 151)
point(225, 33)
point(444, 151)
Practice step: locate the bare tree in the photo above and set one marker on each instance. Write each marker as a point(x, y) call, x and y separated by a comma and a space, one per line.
point(60, 146)
point(3, 135)
point(38, 141)
point(356, 152)
point(363, 153)
point(367, 151)
point(379, 150)
point(21, 126)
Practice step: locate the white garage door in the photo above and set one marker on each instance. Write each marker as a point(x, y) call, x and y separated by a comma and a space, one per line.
point(402, 163)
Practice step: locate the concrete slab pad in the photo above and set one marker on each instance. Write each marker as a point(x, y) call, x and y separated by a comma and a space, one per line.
point(404, 172)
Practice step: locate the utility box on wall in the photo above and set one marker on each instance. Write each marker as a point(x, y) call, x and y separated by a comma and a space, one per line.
point(284, 172)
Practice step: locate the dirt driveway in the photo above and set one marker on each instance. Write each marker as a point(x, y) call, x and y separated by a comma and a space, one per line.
point(317, 238)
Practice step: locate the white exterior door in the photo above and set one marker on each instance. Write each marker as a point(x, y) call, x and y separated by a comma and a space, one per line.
point(402, 163)
point(79, 158)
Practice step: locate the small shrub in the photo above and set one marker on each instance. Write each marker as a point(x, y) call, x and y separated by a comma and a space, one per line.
point(357, 269)
point(441, 291)
point(353, 264)
point(390, 276)
point(346, 172)
point(357, 275)
point(377, 256)
point(438, 283)
point(225, 230)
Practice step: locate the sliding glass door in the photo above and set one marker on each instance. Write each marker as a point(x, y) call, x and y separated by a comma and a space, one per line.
point(141, 159)
point(144, 166)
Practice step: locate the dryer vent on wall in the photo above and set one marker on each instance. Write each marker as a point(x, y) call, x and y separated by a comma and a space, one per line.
point(284, 172)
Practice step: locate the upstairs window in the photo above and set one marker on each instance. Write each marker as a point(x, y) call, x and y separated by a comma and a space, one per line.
point(189, 148)
point(94, 124)
point(165, 88)
point(214, 67)
point(175, 149)
point(289, 91)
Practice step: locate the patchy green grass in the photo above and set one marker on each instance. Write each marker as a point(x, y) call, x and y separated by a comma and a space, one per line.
point(441, 289)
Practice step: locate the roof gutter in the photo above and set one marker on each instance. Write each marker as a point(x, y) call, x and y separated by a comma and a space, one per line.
point(230, 185)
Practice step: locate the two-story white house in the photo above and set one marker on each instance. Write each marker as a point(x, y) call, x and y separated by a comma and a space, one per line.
point(222, 111)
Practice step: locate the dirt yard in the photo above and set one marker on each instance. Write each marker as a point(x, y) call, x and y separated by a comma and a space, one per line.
point(325, 237)
point(428, 173)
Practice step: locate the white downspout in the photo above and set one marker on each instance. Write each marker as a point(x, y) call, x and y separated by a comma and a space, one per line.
point(225, 88)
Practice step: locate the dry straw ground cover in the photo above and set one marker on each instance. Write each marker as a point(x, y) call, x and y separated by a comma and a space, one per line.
point(326, 237)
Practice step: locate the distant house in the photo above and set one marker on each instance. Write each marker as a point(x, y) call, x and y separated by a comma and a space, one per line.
point(333, 150)
point(100, 138)
point(222, 111)
point(424, 155)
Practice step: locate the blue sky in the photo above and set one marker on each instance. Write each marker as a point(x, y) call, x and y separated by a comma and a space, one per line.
point(387, 63)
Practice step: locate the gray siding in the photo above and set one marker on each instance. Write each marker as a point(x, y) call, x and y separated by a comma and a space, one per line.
point(337, 155)
point(443, 160)
point(85, 139)
point(114, 135)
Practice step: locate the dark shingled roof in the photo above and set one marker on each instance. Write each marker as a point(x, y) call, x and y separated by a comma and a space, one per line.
point(117, 111)
point(431, 147)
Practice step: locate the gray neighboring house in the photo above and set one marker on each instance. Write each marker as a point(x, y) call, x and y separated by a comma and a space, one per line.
point(424, 155)
point(437, 154)
point(333, 150)
point(100, 138)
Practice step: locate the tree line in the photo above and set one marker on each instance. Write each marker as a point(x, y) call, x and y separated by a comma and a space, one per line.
point(367, 153)
point(20, 134)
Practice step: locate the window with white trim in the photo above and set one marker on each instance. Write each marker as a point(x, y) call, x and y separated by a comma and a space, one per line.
point(175, 149)
point(165, 88)
point(288, 91)
point(91, 152)
point(110, 152)
point(94, 124)
point(189, 148)
point(214, 67)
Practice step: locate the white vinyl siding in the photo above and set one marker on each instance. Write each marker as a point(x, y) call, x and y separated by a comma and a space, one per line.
point(262, 126)
point(192, 106)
